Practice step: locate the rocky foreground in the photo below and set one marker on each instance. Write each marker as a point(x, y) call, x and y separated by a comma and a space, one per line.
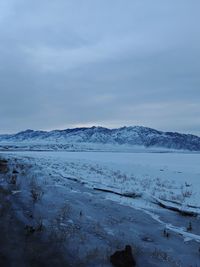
point(47, 222)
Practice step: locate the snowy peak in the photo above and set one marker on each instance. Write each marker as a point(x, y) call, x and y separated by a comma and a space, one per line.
point(131, 136)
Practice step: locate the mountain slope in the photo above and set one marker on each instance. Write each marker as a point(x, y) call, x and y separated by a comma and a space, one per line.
point(131, 136)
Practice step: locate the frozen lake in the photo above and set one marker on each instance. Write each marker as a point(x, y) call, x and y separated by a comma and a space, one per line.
point(168, 176)
point(173, 161)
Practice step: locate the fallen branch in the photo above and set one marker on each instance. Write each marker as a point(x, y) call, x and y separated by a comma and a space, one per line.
point(179, 209)
point(125, 194)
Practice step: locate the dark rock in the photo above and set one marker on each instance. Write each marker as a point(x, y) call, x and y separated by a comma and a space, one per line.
point(123, 258)
point(3, 166)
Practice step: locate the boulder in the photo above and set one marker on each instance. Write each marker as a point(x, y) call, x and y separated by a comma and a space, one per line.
point(3, 166)
point(123, 258)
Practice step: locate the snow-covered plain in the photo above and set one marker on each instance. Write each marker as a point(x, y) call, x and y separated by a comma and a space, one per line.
point(167, 176)
point(151, 183)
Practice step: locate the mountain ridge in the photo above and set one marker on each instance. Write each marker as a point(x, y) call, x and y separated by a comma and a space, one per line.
point(127, 135)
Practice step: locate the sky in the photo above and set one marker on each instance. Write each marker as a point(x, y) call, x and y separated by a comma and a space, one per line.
point(71, 63)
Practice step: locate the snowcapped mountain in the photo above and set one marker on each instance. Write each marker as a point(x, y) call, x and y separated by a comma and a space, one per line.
point(130, 136)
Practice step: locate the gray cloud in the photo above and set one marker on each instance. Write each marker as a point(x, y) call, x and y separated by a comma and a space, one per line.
point(112, 63)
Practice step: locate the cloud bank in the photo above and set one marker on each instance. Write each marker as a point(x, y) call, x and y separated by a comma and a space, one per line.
point(110, 63)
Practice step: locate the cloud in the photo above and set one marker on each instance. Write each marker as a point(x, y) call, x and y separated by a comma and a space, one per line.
point(109, 63)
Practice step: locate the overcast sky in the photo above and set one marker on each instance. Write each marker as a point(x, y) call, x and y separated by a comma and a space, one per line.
point(69, 63)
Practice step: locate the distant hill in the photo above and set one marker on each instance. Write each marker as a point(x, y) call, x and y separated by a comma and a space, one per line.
point(131, 136)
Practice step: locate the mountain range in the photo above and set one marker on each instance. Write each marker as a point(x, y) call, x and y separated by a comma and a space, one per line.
point(129, 136)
